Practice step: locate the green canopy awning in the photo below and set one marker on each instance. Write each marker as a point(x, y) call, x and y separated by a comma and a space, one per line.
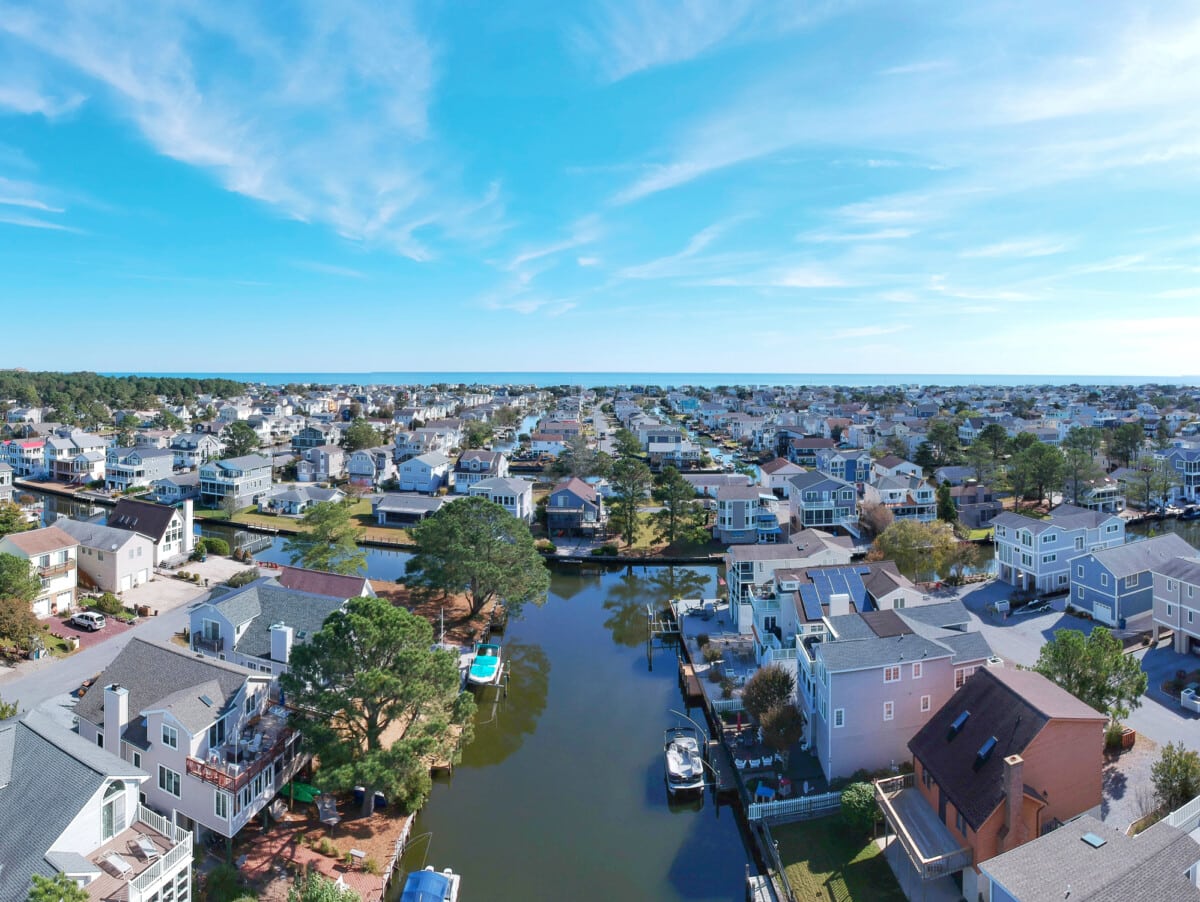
point(300, 792)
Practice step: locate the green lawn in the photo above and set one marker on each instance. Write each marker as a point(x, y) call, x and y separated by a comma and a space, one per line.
point(824, 863)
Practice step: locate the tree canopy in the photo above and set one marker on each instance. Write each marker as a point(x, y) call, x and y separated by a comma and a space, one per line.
point(768, 688)
point(1037, 468)
point(1126, 442)
point(240, 439)
point(631, 480)
point(1094, 670)
point(59, 888)
point(360, 434)
point(1176, 775)
point(377, 701)
point(475, 546)
point(19, 586)
point(919, 549)
point(13, 519)
point(328, 540)
point(681, 517)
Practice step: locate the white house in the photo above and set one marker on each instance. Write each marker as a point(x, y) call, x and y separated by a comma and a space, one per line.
point(243, 479)
point(514, 495)
point(1035, 555)
point(475, 465)
point(907, 497)
point(817, 501)
point(127, 468)
point(369, 467)
point(110, 559)
point(168, 528)
point(425, 473)
point(70, 807)
point(191, 449)
point(321, 463)
point(53, 557)
point(216, 748)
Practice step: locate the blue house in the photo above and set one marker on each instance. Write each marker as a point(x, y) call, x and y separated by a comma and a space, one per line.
point(851, 464)
point(1115, 584)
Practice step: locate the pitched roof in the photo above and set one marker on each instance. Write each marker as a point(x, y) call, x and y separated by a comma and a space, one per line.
point(159, 675)
point(94, 535)
point(1138, 557)
point(1011, 705)
point(321, 582)
point(51, 774)
point(878, 651)
point(779, 463)
point(142, 516)
point(1148, 867)
point(41, 541)
point(263, 603)
point(577, 487)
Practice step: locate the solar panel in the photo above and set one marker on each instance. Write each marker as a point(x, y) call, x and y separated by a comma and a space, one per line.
point(811, 602)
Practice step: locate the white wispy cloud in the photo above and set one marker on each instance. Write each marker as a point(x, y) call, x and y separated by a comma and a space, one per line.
point(329, 269)
point(34, 222)
point(588, 261)
point(869, 331)
point(685, 262)
point(918, 68)
point(325, 119)
point(27, 100)
point(1020, 247)
point(583, 232)
point(825, 237)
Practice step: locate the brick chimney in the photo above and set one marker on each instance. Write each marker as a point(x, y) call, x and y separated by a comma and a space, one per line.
point(116, 716)
point(1012, 833)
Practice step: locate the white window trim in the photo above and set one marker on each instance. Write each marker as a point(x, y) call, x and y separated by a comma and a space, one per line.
point(889, 710)
point(917, 670)
point(926, 703)
point(170, 736)
point(839, 718)
point(165, 785)
point(888, 671)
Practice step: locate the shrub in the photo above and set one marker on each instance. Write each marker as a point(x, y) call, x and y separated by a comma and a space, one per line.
point(1176, 775)
point(216, 546)
point(243, 578)
point(609, 549)
point(712, 653)
point(108, 604)
point(545, 546)
point(1112, 736)
point(183, 574)
point(702, 639)
point(770, 687)
point(859, 809)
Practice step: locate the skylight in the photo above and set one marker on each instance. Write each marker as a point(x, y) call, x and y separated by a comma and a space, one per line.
point(959, 723)
point(207, 701)
point(986, 749)
point(1093, 840)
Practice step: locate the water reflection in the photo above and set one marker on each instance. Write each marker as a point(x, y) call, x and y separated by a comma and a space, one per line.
point(503, 723)
point(637, 586)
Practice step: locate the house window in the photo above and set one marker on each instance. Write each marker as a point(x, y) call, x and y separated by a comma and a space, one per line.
point(170, 736)
point(1170, 610)
point(112, 812)
point(916, 670)
point(960, 823)
point(1079, 591)
point(168, 781)
point(1104, 579)
point(100, 740)
point(839, 717)
point(927, 777)
point(1049, 558)
point(891, 674)
point(1079, 571)
point(889, 710)
point(926, 703)
point(1131, 582)
point(221, 805)
point(137, 759)
point(1170, 585)
point(1079, 544)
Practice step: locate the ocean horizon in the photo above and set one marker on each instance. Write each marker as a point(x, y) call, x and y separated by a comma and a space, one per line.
point(699, 380)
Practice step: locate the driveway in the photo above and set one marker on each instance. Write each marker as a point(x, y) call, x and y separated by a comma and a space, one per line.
point(1160, 717)
point(1018, 638)
point(87, 638)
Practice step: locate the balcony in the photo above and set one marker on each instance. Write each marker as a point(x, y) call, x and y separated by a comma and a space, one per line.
point(146, 875)
point(232, 775)
point(213, 645)
point(56, 569)
point(929, 845)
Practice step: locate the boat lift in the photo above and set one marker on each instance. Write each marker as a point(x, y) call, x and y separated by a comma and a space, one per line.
point(662, 631)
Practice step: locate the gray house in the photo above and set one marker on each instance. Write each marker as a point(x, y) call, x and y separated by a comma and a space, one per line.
point(574, 507)
point(257, 625)
point(243, 479)
point(127, 468)
point(1116, 584)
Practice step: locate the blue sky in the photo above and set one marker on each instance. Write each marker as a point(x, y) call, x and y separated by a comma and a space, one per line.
point(653, 186)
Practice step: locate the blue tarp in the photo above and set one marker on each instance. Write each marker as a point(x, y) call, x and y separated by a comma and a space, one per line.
point(425, 886)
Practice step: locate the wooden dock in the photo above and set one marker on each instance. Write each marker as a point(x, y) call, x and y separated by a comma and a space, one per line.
point(689, 684)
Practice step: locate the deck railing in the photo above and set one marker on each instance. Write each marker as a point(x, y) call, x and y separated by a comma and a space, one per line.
point(927, 868)
point(783, 811)
point(1186, 818)
point(145, 883)
point(218, 774)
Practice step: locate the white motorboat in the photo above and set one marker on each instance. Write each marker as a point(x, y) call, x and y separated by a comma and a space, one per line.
point(684, 761)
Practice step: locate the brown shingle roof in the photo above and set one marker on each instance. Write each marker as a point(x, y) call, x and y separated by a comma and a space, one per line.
point(41, 541)
point(321, 582)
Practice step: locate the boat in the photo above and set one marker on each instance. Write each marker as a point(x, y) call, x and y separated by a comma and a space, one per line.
point(485, 669)
point(684, 763)
point(1191, 512)
point(431, 886)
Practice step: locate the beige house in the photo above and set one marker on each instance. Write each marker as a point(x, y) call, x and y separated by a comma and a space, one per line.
point(110, 559)
point(53, 556)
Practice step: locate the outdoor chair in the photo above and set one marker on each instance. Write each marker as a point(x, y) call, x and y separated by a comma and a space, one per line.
point(147, 847)
point(118, 864)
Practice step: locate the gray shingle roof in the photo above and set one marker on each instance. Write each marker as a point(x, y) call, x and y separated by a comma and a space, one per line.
point(155, 674)
point(93, 535)
point(1148, 867)
point(1138, 557)
point(1184, 569)
point(142, 516)
point(944, 614)
point(265, 602)
point(861, 654)
point(52, 773)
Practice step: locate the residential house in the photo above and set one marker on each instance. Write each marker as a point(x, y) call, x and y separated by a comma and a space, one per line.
point(405, 508)
point(976, 505)
point(425, 473)
point(956, 476)
point(206, 730)
point(750, 570)
point(476, 465)
point(1177, 602)
point(110, 559)
point(868, 680)
point(257, 625)
point(907, 497)
point(774, 475)
point(746, 514)
point(574, 508)
point(550, 443)
point(708, 484)
point(128, 468)
point(1186, 463)
point(295, 500)
point(803, 451)
point(1117, 584)
point(53, 557)
point(321, 463)
point(817, 501)
point(1035, 555)
point(850, 465)
point(240, 481)
point(316, 434)
point(169, 528)
point(514, 495)
point(191, 449)
point(1103, 493)
point(371, 467)
point(896, 467)
point(175, 489)
point(75, 456)
point(1087, 860)
point(27, 457)
point(69, 807)
point(6, 482)
point(1009, 757)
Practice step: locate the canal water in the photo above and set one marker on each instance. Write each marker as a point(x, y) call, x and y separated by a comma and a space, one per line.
point(561, 794)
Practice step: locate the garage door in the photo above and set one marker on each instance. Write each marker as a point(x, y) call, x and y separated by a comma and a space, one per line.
point(143, 576)
point(1103, 612)
point(126, 583)
point(41, 607)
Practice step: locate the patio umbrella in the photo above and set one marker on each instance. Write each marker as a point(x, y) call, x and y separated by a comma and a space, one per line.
point(739, 722)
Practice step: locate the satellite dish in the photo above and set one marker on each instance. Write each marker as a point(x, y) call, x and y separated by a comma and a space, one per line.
point(114, 546)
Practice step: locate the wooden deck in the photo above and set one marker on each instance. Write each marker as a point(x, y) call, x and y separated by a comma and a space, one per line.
point(689, 683)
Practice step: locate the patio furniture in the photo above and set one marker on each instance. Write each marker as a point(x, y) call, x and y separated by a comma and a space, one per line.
point(357, 856)
point(739, 763)
point(118, 864)
point(756, 762)
point(785, 788)
point(764, 792)
point(255, 744)
point(147, 847)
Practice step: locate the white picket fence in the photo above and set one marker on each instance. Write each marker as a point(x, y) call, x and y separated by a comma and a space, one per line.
point(1187, 817)
point(797, 809)
point(732, 705)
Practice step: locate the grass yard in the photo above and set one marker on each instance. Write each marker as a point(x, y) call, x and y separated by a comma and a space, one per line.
point(824, 863)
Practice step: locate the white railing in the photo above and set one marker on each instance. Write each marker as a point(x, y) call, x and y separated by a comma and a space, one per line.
point(799, 808)
point(1187, 817)
point(927, 868)
point(147, 882)
point(731, 705)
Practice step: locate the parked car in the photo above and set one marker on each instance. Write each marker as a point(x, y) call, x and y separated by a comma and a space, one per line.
point(89, 620)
